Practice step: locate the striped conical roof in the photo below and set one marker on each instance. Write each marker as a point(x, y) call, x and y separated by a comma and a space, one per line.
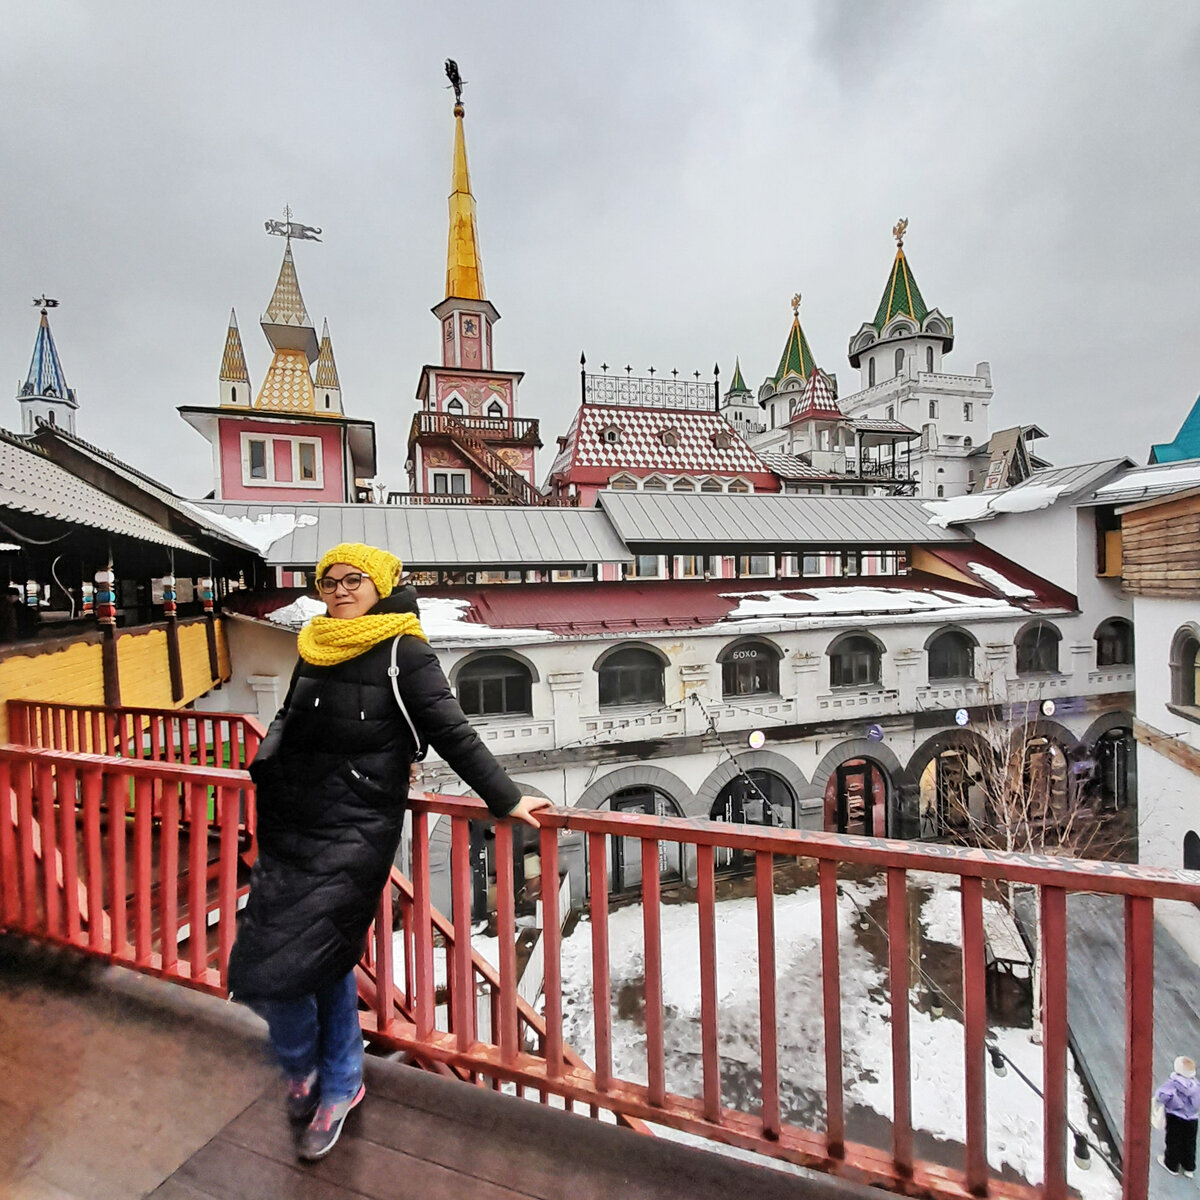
point(901, 296)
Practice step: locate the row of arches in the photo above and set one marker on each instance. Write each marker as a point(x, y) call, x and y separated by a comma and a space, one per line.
point(862, 788)
point(500, 683)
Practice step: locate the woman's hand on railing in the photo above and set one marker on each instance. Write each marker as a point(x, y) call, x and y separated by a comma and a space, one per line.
point(526, 807)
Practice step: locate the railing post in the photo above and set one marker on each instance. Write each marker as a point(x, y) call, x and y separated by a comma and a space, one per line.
point(1139, 1044)
point(1053, 951)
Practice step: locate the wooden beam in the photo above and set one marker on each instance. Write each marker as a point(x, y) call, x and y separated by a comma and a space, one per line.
point(1180, 753)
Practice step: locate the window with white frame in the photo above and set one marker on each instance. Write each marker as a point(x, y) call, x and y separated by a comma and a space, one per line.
point(281, 461)
point(450, 483)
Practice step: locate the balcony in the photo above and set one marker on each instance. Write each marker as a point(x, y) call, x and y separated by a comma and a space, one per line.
point(850, 700)
point(951, 694)
point(520, 431)
point(458, 498)
point(741, 1017)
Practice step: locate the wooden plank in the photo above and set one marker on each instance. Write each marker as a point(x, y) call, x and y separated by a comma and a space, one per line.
point(1179, 752)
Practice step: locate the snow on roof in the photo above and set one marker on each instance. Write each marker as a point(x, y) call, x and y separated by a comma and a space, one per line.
point(994, 579)
point(1145, 482)
point(298, 614)
point(841, 602)
point(444, 620)
point(259, 531)
point(979, 506)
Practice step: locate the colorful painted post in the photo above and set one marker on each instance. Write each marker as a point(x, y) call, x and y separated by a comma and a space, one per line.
point(105, 597)
point(169, 595)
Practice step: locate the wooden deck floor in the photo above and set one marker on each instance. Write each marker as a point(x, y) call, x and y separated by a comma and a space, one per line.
point(117, 1085)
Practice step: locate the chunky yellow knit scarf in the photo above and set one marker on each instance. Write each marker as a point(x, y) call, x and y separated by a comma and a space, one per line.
point(327, 641)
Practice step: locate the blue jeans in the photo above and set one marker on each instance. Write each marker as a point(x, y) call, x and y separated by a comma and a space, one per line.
point(319, 1032)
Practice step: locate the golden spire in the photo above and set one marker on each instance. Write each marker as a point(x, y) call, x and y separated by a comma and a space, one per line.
point(287, 305)
point(233, 361)
point(464, 267)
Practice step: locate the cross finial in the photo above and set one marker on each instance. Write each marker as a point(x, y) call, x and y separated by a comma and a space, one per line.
point(674, 373)
point(628, 369)
point(796, 305)
point(899, 230)
point(651, 372)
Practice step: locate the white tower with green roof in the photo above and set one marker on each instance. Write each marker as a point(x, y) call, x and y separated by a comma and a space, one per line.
point(739, 407)
point(899, 357)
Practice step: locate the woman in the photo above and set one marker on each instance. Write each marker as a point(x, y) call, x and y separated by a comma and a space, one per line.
point(332, 779)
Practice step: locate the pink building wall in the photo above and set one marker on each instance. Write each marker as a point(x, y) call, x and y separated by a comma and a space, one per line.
point(229, 434)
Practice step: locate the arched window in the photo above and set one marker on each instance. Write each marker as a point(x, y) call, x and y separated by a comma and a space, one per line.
point(454, 405)
point(750, 668)
point(854, 661)
point(233, 395)
point(941, 491)
point(494, 685)
point(1114, 643)
point(495, 410)
point(951, 656)
point(328, 402)
point(1037, 650)
point(1185, 666)
point(53, 419)
point(871, 371)
point(929, 359)
point(933, 408)
point(1191, 851)
point(631, 676)
point(899, 360)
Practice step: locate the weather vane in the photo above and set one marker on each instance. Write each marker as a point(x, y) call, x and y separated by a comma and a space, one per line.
point(796, 305)
point(44, 302)
point(292, 229)
point(899, 230)
point(456, 82)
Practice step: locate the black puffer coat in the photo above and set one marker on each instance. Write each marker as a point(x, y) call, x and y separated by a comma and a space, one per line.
point(332, 785)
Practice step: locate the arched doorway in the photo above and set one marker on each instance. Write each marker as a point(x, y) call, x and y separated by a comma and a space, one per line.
point(1114, 768)
point(625, 854)
point(856, 798)
point(1044, 777)
point(752, 798)
point(951, 793)
point(1191, 851)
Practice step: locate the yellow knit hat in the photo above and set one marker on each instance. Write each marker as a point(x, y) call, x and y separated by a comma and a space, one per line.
point(380, 566)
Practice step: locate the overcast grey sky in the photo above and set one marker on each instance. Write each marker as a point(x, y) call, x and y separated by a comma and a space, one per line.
point(653, 182)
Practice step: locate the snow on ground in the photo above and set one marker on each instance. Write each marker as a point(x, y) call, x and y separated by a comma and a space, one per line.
point(1014, 1111)
point(978, 505)
point(259, 531)
point(994, 579)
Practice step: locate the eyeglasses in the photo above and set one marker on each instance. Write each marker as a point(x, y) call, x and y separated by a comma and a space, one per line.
point(351, 582)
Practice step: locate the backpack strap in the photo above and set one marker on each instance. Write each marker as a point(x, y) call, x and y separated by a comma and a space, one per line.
point(422, 748)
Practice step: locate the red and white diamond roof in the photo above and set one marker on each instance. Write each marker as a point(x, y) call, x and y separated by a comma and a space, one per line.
point(704, 443)
point(818, 403)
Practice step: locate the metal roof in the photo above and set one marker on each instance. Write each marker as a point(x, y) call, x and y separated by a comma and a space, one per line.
point(770, 520)
point(446, 537)
point(1146, 483)
point(31, 483)
point(1071, 480)
point(151, 486)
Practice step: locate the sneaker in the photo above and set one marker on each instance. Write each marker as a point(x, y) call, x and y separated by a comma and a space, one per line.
point(1189, 1174)
point(302, 1098)
point(1162, 1162)
point(326, 1127)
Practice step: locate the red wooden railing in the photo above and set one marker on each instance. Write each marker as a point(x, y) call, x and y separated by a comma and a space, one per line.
point(88, 858)
point(504, 1051)
point(172, 735)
